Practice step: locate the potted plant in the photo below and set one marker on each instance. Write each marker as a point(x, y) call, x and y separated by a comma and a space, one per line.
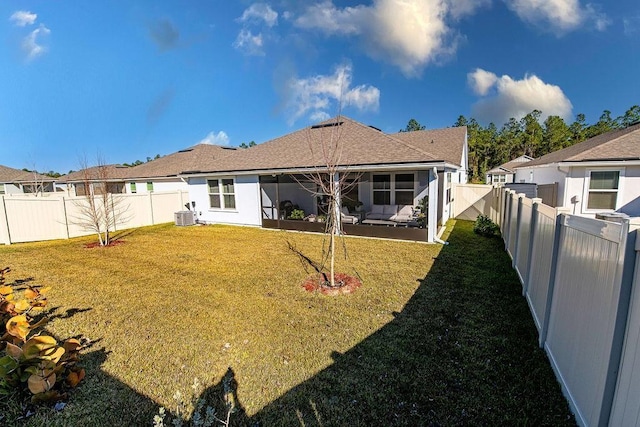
point(297, 214)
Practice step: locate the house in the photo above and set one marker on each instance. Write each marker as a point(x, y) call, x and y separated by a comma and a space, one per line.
point(383, 171)
point(505, 173)
point(601, 174)
point(92, 179)
point(16, 181)
point(161, 174)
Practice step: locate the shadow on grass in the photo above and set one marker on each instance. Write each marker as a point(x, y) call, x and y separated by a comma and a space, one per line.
point(463, 351)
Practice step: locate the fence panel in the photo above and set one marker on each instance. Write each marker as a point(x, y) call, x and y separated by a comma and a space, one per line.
point(33, 219)
point(524, 234)
point(626, 403)
point(27, 219)
point(549, 194)
point(471, 200)
point(513, 224)
point(538, 286)
point(584, 313)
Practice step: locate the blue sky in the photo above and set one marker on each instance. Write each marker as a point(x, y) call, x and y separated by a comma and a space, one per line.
point(132, 79)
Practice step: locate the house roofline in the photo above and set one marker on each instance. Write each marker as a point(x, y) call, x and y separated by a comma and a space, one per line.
point(353, 168)
point(586, 163)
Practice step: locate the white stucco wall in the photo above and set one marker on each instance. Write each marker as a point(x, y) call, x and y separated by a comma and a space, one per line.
point(546, 175)
point(158, 185)
point(247, 195)
point(628, 194)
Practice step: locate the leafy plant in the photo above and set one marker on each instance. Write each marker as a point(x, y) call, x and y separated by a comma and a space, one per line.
point(30, 360)
point(297, 214)
point(485, 227)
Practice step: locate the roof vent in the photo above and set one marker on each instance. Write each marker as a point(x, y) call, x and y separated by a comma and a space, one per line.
point(326, 125)
point(373, 127)
point(186, 150)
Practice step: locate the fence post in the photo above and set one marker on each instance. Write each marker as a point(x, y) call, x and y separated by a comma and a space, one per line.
point(560, 214)
point(66, 219)
point(532, 237)
point(5, 222)
point(514, 258)
point(151, 207)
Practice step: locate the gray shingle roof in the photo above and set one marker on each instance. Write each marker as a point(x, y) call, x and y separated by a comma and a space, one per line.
point(8, 174)
point(621, 144)
point(172, 164)
point(509, 167)
point(361, 145)
point(110, 173)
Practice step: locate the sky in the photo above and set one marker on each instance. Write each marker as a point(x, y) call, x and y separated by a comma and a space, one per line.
point(123, 80)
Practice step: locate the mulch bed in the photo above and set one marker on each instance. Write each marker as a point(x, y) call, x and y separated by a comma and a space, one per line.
point(348, 284)
point(97, 244)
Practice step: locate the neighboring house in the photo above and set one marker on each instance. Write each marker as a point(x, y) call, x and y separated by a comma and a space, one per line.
point(249, 186)
point(161, 174)
point(505, 173)
point(16, 181)
point(601, 174)
point(93, 179)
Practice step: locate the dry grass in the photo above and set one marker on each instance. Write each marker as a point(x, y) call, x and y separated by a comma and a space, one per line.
point(173, 304)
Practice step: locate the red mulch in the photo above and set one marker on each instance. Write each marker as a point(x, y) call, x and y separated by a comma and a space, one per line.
point(348, 284)
point(97, 244)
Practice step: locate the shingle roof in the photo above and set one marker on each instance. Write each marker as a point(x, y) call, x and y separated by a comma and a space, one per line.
point(173, 164)
point(621, 144)
point(361, 145)
point(109, 173)
point(8, 174)
point(509, 167)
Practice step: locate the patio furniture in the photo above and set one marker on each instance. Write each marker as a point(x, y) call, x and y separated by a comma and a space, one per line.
point(347, 218)
point(395, 213)
point(380, 222)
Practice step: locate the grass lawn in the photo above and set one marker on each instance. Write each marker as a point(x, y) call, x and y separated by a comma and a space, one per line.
point(436, 335)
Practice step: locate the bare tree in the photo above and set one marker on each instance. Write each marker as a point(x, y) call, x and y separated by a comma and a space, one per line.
point(331, 178)
point(100, 210)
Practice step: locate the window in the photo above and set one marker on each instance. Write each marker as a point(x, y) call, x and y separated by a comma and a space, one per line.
point(603, 190)
point(133, 188)
point(404, 189)
point(381, 189)
point(115, 188)
point(395, 189)
point(1, 188)
point(222, 193)
point(149, 186)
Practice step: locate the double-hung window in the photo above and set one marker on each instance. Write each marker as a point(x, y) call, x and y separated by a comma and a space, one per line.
point(397, 189)
point(222, 193)
point(382, 189)
point(602, 192)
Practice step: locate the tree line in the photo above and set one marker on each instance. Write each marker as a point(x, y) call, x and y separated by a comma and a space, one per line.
point(490, 146)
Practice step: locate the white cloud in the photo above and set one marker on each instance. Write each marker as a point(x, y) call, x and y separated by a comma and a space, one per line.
point(249, 43)
point(315, 95)
point(516, 98)
point(560, 16)
point(631, 25)
point(23, 18)
point(481, 81)
point(260, 12)
point(407, 34)
point(30, 44)
point(460, 8)
point(220, 138)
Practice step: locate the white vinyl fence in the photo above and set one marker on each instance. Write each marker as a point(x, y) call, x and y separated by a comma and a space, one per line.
point(29, 219)
point(581, 279)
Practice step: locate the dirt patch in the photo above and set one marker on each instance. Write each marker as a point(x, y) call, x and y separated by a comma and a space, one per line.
point(345, 284)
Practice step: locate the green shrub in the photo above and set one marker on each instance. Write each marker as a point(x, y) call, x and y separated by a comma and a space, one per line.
point(297, 214)
point(485, 227)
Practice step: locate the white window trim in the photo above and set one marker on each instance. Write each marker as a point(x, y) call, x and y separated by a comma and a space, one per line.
point(221, 194)
point(393, 185)
point(587, 182)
